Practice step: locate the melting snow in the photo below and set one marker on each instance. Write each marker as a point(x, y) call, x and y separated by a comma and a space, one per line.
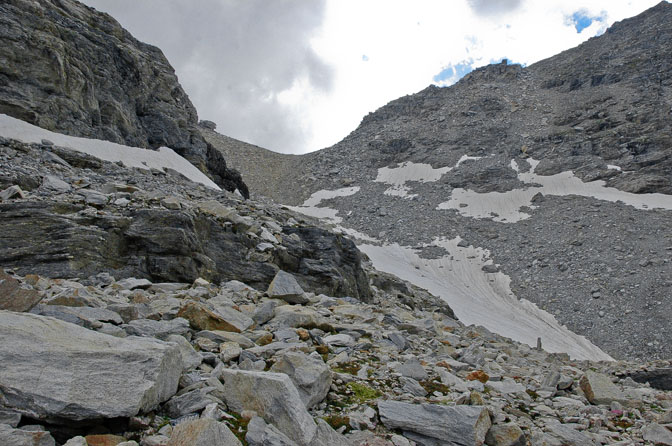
point(480, 298)
point(161, 159)
point(310, 206)
point(506, 206)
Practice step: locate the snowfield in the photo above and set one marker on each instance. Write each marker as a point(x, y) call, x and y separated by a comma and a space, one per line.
point(506, 206)
point(161, 159)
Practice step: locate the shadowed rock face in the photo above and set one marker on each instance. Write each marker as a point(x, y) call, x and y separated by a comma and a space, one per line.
point(68, 68)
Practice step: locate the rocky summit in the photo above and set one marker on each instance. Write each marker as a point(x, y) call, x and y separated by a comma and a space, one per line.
point(142, 305)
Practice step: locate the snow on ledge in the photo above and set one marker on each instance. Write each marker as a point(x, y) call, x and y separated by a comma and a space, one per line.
point(161, 159)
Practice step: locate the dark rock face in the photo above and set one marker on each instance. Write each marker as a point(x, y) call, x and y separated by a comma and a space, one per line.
point(68, 68)
point(58, 240)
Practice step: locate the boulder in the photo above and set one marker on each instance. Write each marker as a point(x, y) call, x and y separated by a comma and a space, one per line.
point(599, 389)
point(505, 435)
point(466, 425)
point(284, 286)
point(657, 434)
point(157, 329)
point(261, 434)
point(202, 432)
point(14, 297)
point(310, 375)
point(187, 403)
point(17, 437)
point(327, 436)
point(295, 316)
point(190, 357)
point(274, 397)
point(55, 371)
point(201, 317)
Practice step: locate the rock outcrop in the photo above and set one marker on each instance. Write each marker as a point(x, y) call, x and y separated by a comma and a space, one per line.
point(69, 68)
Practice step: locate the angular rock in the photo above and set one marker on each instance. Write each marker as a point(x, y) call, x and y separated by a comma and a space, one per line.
point(17, 437)
point(568, 436)
point(274, 397)
point(12, 192)
point(157, 329)
point(56, 184)
point(84, 316)
point(599, 389)
point(657, 434)
point(190, 357)
point(10, 417)
point(505, 435)
point(131, 283)
point(202, 432)
point(261, 434)
point(459, 424)
point(409, 385)
point(201, 317)
point(339, 340)
point(310, 375)
point(327, 436)
point(284, 286)
point(265, 312)
point(53, 370)
point(15, 298)
point(226, 336)
point(295, 316)
point(187, 403)
point(413, 369)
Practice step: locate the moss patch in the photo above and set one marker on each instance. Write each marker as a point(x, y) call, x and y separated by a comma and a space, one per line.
point(362, 392)
point(338, 421)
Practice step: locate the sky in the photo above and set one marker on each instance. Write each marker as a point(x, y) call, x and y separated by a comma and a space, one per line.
point(295, 76)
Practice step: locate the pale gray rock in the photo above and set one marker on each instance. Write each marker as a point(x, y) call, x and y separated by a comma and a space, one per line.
point(459, 424)
point(53, 370)
point(157, 329)
point(453, 381)
point(226, 336)
point(131, 283)
point(190, 357)
point(77, 441)
point(189, 402)
point(409, 385)
point(295, 316)
point(202, 432)
point(599, 389)
point(310, 375)
point(413, 369)
point(657, 434)
point(339, 340)
point(327, 436)
point(10, 417)
point(11, 193)
point(55, 184)
point(19, 437)
point(84, 316)
point(568, 436)
point(284, 286)
point(228, 351)
point(265, 312)
point(233, 317)
point(506, 386)
point(259, 433)
point(274, 397)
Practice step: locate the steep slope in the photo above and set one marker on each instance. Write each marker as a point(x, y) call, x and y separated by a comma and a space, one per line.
point(505, 163)
point(67, 67)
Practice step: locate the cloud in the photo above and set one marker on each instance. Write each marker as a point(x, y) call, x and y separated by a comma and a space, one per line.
point(493, 7)
point(237, 60)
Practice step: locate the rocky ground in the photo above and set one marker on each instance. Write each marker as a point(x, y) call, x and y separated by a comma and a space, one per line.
point(91, 359)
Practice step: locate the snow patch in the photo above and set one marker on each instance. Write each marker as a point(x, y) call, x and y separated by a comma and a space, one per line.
point(397, 177)
point(506, 206)
point(310, 206)
point(480, 298)
point(145, 159)
point(613, 167)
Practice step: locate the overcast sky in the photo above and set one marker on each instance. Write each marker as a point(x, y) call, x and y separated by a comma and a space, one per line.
point(298, 75)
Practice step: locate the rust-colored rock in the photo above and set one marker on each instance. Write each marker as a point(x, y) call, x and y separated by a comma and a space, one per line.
point(478, 375)
point(15, 298)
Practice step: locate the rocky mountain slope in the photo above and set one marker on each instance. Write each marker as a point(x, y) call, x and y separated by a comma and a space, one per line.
point(142, 305)
point(67, 67)
point(507, 161)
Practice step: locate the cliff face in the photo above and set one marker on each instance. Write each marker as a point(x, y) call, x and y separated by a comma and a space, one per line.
point(69, 68)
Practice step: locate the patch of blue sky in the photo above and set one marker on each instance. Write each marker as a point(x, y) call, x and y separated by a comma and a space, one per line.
point(581, 20)
point(453, 73)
